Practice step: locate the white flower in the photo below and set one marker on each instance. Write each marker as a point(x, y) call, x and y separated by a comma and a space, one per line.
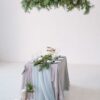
point(48, 61)
point(40, 58)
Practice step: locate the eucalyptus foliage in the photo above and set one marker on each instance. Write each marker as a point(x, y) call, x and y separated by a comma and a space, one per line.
point(67, 4)
point(43, 61)
point(29, 87)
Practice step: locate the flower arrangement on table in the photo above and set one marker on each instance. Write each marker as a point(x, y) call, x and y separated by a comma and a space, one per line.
point(44, 61)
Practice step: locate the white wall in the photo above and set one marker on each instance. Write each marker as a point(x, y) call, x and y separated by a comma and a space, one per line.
point(23, 34)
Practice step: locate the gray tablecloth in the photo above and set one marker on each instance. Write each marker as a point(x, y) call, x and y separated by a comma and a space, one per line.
point(59, 77)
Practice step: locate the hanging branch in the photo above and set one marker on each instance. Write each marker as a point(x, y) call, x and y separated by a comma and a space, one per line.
point(48, 4)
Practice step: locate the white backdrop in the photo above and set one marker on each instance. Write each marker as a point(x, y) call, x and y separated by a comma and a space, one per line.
point(24, 34)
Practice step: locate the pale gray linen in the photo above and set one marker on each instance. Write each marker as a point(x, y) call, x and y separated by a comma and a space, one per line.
point(59, 77)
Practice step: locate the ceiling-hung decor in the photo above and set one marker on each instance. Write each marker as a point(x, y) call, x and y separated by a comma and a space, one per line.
point(69, 5)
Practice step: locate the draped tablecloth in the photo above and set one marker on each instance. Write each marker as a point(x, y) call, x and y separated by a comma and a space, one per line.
point(49, 83)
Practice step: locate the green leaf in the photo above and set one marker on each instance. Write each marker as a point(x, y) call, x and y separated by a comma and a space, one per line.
point(46, 2)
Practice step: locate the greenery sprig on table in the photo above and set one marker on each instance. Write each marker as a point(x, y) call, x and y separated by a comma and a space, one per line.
point(67, 4)
point(43, 61)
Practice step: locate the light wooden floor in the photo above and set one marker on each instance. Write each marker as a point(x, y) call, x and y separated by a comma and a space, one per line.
point(84, 79)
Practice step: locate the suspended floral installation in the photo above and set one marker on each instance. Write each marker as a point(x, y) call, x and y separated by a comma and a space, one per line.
point(48, 4)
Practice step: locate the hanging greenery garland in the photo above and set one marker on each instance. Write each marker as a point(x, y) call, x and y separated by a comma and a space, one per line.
point(67, 4)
